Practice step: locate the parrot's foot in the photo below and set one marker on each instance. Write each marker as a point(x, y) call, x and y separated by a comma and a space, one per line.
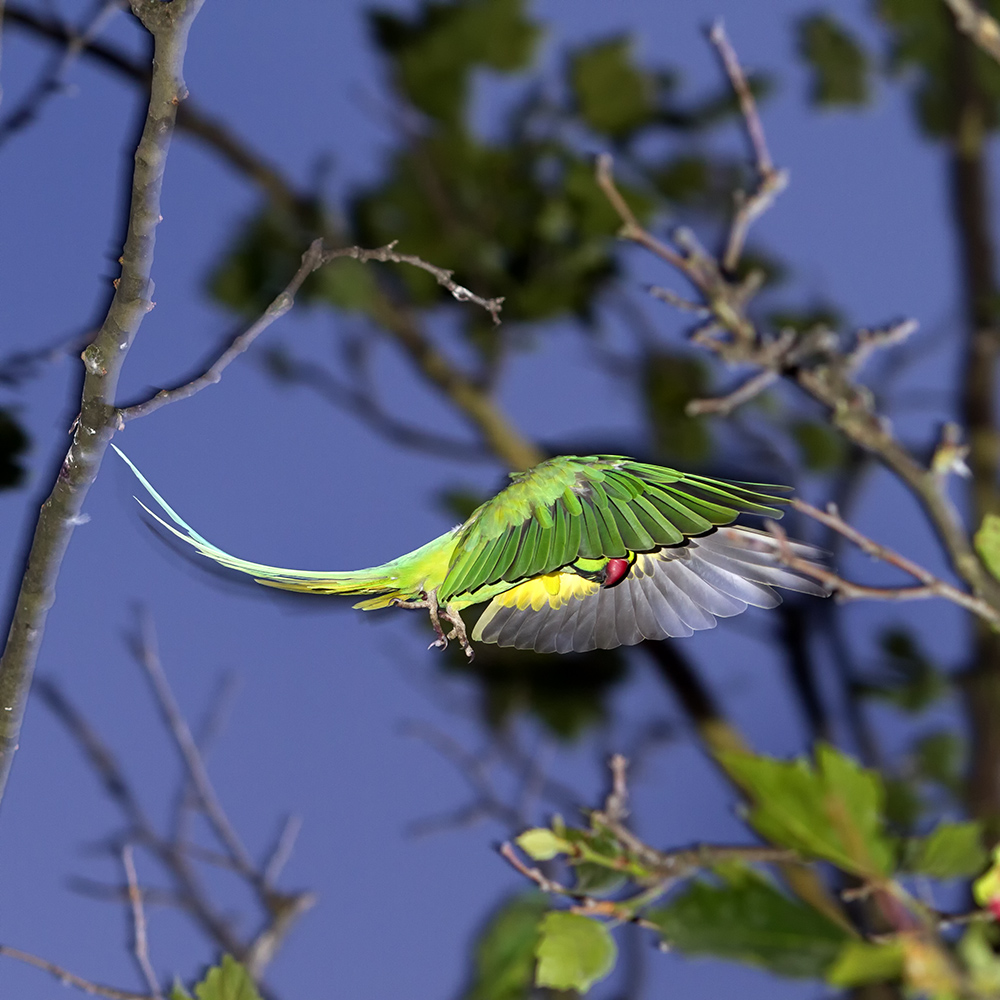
point(449, 614)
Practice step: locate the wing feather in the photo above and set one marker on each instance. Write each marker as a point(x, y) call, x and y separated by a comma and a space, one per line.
point(601, 506)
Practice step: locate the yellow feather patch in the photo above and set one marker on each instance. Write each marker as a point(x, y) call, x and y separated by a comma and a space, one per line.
point(553, 589)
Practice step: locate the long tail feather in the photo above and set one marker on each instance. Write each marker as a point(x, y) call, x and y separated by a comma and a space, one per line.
point(385, 579)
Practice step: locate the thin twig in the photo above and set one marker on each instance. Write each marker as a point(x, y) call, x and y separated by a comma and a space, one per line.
point(283, 847)
point(724, 405)
point(822, 372)
point(142, 831)
point(441, 275)
point(148, 657)
point(930, 585)
point(770, 181)
point(69, 978)
point(869, 341)
point(631, 228)
point(616, 804)
point(313, 259)
point(140, 940)
point(53, 80)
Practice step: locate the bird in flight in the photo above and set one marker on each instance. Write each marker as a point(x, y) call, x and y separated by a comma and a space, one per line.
point(578, 553)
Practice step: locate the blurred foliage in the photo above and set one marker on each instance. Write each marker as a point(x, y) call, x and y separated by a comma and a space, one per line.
point(908, 678)
point(565, 692)
point(14, 444)
point(612, 94)
point(742, 916)
point(987, 543)
point(573, 951)
point(821, 448)
point(951, 850)
point(839, 64)
point(516, 213)
point(503, 963)
point(228, 980)
point(833, 810)
point(828, 810)
point(924, 40)
point(669, 383)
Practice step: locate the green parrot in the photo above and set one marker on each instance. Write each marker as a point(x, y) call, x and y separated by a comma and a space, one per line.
point(575, 554)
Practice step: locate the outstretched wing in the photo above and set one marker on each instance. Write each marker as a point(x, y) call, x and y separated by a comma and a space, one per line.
point(601, 507)
point(668, 592)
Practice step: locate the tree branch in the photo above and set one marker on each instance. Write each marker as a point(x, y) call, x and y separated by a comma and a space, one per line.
point(978, 25)
point(103, 359)
point(140, 941)
point(70, 978)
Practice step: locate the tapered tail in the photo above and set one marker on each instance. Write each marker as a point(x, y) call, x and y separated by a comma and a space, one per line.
point(672, 591)
point(385, 579)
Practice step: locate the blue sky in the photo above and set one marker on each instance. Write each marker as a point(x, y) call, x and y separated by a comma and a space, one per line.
point(278, 476)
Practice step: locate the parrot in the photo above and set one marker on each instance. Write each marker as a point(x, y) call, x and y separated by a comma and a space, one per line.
point(576, 554)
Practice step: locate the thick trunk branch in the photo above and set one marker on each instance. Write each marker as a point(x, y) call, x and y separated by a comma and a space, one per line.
point(169, 24)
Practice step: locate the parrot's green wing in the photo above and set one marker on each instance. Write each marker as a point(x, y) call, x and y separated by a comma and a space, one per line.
point(599, 507)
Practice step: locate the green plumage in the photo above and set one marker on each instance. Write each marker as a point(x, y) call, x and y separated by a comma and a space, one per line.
point(614, 505)
point(544, 546)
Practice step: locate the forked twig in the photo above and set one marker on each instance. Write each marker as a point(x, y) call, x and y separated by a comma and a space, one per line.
point(929, 585)
point(140, 940)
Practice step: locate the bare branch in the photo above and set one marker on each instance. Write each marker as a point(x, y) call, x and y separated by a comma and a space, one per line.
point(978, 25)
point(140, 941)
point(71, 979)
point(869, 341)
point(148, 657)
point(169, 25)
point(930, 585)
point(724, 405)
point(814, 361)
point(311, 260)
point(770, 181)
point(283, 847)
point(53, 80)
point(631, 228)
point(470, 396)
point(441, 275)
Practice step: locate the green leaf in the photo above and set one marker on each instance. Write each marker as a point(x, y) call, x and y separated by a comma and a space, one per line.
point(903, 804)
point(542, 844)
point(612, 94)
point(227, 981)
point(838, 62)
point(832, 811)
point(977, 950)
point(987, 543)
point(860, 962)
point(986, 888)
point(750, 921)
point(951, 850)
point(177, 991)
point(503, 964)
point(822, 448)
point(671, 381)
point(573, 952)
point(938, 757)
point(924, 38)
point(435, 52)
